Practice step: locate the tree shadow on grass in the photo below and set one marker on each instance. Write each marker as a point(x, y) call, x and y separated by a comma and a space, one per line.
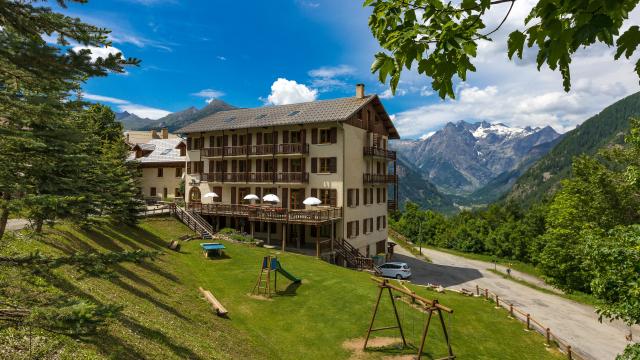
point(109, 344)
point(142, 295)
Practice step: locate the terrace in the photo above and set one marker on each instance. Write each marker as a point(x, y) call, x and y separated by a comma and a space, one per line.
point(267, 213)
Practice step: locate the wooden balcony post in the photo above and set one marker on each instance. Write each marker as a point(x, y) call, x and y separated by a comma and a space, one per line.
point(318, 241)
point(252, 227)
point(284, 236)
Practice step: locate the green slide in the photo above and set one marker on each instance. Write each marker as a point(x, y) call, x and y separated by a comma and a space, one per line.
point(287, 274)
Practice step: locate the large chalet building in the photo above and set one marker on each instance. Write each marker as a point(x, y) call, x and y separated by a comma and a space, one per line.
point(334, 150)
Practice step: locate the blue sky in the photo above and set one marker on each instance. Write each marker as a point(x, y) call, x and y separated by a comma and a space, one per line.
point(192, 51)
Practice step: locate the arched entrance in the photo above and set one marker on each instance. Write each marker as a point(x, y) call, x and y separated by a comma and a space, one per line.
point(194, 194)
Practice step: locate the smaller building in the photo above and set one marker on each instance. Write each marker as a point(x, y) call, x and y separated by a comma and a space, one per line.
point(162, 163)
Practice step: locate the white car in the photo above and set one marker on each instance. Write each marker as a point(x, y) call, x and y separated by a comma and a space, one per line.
point(398, 270)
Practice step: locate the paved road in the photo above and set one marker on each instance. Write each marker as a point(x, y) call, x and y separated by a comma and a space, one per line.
point(576, 323)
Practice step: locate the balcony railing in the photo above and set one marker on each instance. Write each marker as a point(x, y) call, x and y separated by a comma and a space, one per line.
point(379, 179)
point(257, 177)
point(379, 152)
point(392, 205)
point(264, 149)
point(267, 213)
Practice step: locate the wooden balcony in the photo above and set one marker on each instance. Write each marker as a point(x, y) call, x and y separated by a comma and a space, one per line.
point(392, 205)
point(379, 179)
point(255, 150)
point(267, 213)
point(379, 152)
point(257, 177)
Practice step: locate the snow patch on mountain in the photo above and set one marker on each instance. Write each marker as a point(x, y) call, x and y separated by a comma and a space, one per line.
point(427, 135)
point(501, 130)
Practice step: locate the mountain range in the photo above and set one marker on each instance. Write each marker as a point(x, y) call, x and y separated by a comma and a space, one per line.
point(173, 121)
point(462, 158)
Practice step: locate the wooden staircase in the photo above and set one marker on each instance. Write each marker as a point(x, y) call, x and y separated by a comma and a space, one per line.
point(353, 258)
point(194, 221)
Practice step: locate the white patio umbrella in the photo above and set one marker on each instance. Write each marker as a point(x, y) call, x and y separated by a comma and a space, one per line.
point(271, 198)
point(211, 195)
point(251, 197)
point(313, 201)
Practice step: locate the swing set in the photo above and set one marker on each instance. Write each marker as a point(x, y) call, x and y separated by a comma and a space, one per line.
point(426, 305)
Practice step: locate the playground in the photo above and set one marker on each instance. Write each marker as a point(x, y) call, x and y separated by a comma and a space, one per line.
point(327, 316)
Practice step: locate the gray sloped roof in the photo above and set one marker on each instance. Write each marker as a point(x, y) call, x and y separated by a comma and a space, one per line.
point(301, 113)
point(164, 150)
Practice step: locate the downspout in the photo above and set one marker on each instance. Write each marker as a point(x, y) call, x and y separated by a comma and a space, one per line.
point(341, 126)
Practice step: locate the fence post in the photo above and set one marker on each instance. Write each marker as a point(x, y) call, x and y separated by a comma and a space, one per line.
point(497, 301)
point(569, 354)
point(528, 321)
point(486, 294)
point(548, 333)
point(511, 309)
point(477, 290)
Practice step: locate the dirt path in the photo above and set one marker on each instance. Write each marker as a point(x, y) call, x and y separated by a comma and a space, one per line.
point(575, 323)
point(16, 224)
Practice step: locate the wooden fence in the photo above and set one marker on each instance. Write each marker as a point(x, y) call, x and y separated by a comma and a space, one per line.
point(531, 323)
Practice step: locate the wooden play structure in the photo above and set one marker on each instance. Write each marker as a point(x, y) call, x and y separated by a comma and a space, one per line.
point(269, 265)
point(217, 305)
point(428, 306)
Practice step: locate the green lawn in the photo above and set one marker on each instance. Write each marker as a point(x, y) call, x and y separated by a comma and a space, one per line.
point(166, 318)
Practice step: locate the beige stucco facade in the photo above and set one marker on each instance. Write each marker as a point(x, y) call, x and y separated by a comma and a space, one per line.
point(351, 164)
point(165, 187)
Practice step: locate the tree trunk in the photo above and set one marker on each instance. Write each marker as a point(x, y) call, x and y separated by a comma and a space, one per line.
point(38, 226)
point(4, 213)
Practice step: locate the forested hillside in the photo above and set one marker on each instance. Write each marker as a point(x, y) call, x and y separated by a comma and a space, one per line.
point(543, 177)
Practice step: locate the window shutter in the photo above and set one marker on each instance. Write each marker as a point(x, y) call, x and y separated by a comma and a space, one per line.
point(212, 141)
point(314, 136)
point(333, 165)
point(349, 226)
point(333, 196)
point(285, 137)
point(314, 165)
point(211, 166)
point(285, 198)
point(225, 140)
point(234, 166)
point(303, 136)
point(314, 193)
point(364, 226)
point(275, 137)
point(303, 166)
point(249, 138)
point(350, 197)
point(189, 143)
point(285, 165)
point(384, 195)
point(234, 140)
point(259, 165)
point(200, 166)
point(233, 195)
point(384, 221)
point(357, 197)
point(259, 138)
point(365, 197)
point(334, 135)
point(224, 166)
point(357, 228)
point(378, 223)
point(188, 167)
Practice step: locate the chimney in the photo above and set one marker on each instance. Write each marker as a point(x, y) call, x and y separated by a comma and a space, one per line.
point(359, 91)
point(154, 134)
point(165, 133)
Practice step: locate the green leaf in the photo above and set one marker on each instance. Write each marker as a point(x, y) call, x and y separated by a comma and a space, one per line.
point(515, 44)
point(628, 42)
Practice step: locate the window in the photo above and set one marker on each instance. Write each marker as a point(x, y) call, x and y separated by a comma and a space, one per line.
point(176, 193)
point(351, 197)
point(370, 195)
point(267, 138)
point(194, 194)
point(165, 193)
point(378, 195)
point(324, 165)
point(325, 136)
point(160, 172)
point(296, 165)
point(378, 222)
point(384, 221)
point(179, 172)
point(152, 191)
point(366, 197)
point(293, 113)
point(353, 229)
point(165, 152)
point(295, 137)
point(325, 196)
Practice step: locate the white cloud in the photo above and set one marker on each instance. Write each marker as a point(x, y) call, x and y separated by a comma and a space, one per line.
point(221, 58)
point(98, 52)
point(327, 78)
point(107, 99)
point(209, 94)
point(427, 135)
point(516, 93)
point(285, 91)
point(144, 111)
point(332, 71)
point(426, 91)
point(387, 94)
point(125, 105)
point(308, 4)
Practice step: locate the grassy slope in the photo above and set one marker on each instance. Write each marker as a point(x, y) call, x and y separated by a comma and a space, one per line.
point(165, 317)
